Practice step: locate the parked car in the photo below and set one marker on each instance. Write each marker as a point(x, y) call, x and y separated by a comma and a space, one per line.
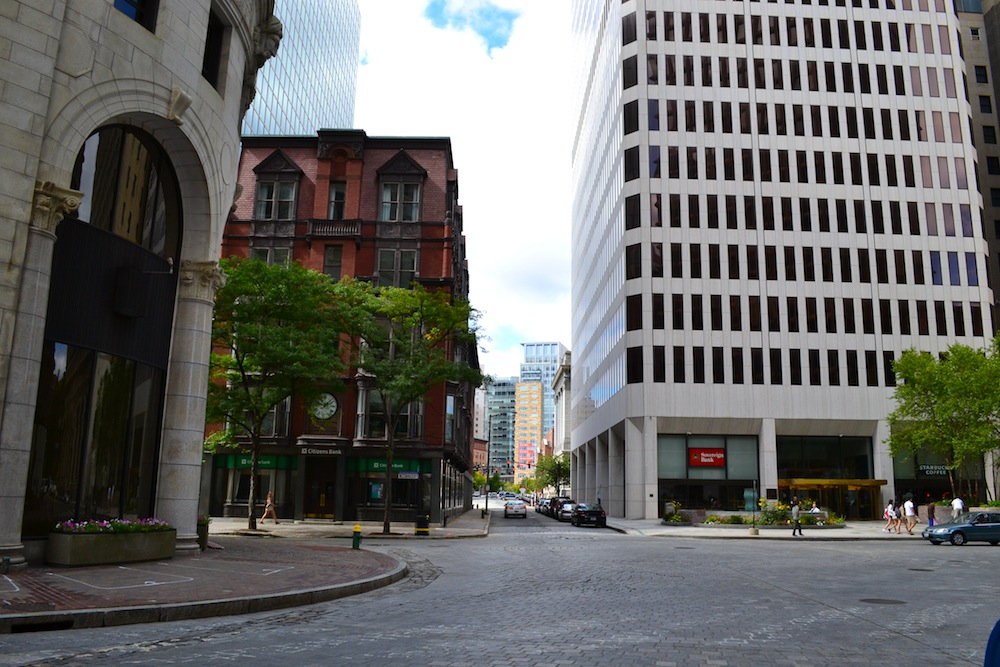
point(589, 514)
point(566, 510)
point(968, 527)
point(542, 505)
point(515, 507)
point(554, 505)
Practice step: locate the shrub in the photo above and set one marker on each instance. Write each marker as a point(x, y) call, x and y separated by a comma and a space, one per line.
point(734, 519)
point(112, 526)
point(713, 518)
point(674, 517)
point(775, 514)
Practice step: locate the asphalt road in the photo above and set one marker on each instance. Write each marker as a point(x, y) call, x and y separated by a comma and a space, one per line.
point(539, 592)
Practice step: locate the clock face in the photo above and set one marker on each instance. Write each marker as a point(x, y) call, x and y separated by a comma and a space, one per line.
point(325, 406)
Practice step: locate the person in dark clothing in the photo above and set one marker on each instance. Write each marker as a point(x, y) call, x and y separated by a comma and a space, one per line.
point(796, 526)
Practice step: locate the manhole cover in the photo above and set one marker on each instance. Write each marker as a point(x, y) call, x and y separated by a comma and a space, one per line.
point(683, 547)
point(920, 569)
point(881, 601)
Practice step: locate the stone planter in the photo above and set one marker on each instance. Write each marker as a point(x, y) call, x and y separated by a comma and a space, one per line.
point(202, 529)
point(73, 549)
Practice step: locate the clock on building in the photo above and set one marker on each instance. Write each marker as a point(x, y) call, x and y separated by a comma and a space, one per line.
point(325, 406)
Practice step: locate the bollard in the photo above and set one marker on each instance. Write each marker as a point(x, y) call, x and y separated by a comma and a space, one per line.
point(356, 539)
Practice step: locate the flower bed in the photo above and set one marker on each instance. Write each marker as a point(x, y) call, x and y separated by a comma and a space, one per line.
point(74, 543)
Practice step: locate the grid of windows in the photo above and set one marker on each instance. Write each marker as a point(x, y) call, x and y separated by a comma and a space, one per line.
point(780, 148)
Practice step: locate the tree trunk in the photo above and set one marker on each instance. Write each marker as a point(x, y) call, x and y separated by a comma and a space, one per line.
point(389, 447)
point(251, 504)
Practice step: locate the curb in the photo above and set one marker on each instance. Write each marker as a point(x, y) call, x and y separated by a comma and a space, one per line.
point(100, 618)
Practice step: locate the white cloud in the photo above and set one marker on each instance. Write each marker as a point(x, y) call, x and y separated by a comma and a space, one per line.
point(507, 113)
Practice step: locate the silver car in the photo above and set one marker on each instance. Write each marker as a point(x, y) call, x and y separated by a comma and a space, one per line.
point(515, 507)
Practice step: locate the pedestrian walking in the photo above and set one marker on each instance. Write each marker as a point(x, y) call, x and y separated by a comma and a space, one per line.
point(796, 526)
point(910, 513)
point(930, 511)
point(957, 507)
point(890, 516)
point(269, 508)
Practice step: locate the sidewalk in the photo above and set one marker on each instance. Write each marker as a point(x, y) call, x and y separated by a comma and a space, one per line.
point(855, 530)
point(284, 565)
point(241, 572)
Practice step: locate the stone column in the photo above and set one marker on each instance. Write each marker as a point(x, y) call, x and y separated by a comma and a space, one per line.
point(183, 433)
point(601, 470)
point(768, 453)
point(615, 501)
point(635, 463)
point(51, 204)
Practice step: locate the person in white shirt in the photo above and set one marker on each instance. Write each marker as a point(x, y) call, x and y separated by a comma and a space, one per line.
point(910, 510)
point(957, 507)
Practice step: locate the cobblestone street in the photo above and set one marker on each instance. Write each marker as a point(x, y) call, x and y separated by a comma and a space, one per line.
point(539, 592)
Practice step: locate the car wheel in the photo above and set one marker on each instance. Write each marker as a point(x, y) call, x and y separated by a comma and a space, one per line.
point(958, 539)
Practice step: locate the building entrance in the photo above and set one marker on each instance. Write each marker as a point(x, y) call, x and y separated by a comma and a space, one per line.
point(320, 476)
point(851, 498)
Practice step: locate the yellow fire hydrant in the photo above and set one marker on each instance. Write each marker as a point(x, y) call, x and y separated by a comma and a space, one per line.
point(356, 539)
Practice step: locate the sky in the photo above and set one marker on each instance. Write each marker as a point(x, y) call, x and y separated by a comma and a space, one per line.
point(494, 77)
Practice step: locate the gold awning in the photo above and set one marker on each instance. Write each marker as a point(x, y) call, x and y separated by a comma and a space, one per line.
point(825, 483)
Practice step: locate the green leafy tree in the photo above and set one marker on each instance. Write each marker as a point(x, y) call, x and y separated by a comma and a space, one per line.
point(553, 471)
point(407, 346)
point(478, 480)
point(948, 405)
point(496, 482)
point(275, 335)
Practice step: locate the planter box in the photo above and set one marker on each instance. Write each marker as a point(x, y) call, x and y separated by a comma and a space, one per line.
point(103, 548)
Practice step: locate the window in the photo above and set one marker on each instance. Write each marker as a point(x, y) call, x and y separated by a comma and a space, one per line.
point(214, 45)
point(400, 202)
point(142, 12)
point(332, 261)
point(396, 268)
point(267, 252)
point(335, 209)
point(275, 200)
point(985, 104)
point(372, 420)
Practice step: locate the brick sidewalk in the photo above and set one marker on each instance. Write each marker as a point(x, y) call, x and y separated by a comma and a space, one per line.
point(244, 575)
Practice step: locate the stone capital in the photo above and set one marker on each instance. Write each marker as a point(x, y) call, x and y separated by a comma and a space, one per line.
point(200, 280)
point(51, 204)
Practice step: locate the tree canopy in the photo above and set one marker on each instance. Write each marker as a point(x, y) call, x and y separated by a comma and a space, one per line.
point(413, 340)
point(948, 405)
point(276, 334)
point(553, 471)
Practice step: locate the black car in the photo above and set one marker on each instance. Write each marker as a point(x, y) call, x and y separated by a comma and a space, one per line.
point(589, 514)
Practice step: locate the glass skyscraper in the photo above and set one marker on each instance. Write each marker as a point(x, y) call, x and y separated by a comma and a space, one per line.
point(311, 83)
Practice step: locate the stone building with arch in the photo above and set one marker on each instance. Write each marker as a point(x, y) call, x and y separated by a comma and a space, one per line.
point(120, 143)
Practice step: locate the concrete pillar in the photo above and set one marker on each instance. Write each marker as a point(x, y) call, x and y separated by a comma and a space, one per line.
point(51, 204)
point(615, 501)
point(883, 466)
point(601, 469)
point(183, 431)
point(768, 456)
point(636, 491)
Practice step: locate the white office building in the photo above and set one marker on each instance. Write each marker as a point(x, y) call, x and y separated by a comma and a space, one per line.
point(772, 201)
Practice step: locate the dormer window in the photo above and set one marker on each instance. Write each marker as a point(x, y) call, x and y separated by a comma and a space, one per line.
point(400, 182)
point(277, 185)
point(400, 202)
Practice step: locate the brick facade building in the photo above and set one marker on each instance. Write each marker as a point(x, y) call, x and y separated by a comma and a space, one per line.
point(383, 210)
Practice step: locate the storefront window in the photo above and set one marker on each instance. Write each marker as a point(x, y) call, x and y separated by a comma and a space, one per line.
point(706, 471)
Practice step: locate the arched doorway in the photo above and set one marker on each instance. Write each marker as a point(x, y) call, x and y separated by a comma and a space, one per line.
point(99, 405)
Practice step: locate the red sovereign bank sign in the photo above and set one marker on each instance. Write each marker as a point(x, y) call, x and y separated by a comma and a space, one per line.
point(706, 457)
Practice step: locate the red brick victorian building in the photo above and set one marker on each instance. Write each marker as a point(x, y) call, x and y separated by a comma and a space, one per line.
point(382, 209)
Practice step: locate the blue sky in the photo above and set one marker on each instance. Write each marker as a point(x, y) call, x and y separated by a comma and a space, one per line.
point(491, 22)
point(495, 77)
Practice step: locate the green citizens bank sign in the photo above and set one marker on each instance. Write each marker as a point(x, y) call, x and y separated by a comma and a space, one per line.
point(399, 465)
